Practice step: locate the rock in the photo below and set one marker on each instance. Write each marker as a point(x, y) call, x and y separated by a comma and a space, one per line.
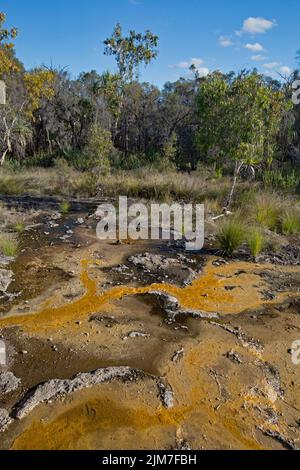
point(234, 357)
point(166, 393)
point(136, 334)
point(6, 277)
point(246, 341)
point(172, 308)
point(80, 221)
point(5, 420)
point(151, 262)
point(6, 260)
point(287, 443)
point(24, 352)
point(272, 375)
point(8, 383)
point(56, 388)
point(178, 355)
point(109, 322)
point(56, 216)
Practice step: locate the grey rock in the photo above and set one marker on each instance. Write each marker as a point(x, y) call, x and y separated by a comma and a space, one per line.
point(8, 383)
point(5, 420)
point(6, 260)
point(150, 262)
point(166, 393)
point(173, 308)
point(55, 388)
point(136, 334)
point(47, 392)
point(234, 357)
point(6, 277)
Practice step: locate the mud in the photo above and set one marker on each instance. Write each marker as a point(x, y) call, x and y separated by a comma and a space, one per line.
point(205, 341)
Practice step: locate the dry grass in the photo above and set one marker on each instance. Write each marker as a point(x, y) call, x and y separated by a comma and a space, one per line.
point(9, 246)
point(66, 181)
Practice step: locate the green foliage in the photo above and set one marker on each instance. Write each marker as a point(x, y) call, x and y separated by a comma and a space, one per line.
point(64, 207)
point(219, 172)
point(7, 60)
point(231, 235)
point(279, 179)
point(170, 148)
point(99, 148)
point(239, 119)
point(290, 222)
point(131, 51)
point(256, 241)
point(9, 246)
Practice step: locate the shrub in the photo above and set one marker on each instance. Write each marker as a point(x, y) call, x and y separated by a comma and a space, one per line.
point(290, 222)
point(231, 235)
point(99, 147)
point(64, 207)
point(256, 241)
point(279, 180)
point(8, 246)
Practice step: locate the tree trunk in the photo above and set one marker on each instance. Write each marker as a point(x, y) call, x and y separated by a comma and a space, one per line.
point(238, 167)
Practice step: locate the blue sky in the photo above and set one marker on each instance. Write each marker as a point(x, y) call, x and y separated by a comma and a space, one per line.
point(214, 34)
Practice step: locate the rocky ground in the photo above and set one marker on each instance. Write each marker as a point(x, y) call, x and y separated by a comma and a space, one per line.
point(142, 345)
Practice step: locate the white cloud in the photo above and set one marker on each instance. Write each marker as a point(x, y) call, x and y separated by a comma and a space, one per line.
point(271, 65)
point(256, 47)
point(197, 62)
point(258, 58)
point(225, 41)
point(203, 71)
point(285, 70)
point(256, 25)
point(183, 65)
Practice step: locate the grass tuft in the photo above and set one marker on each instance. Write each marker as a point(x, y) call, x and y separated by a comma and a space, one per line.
point(8, 246)
point(267, 211)
point(256, 241)
point(290, 222)
point(64, 207)
point(231, 235)
point(19, 227)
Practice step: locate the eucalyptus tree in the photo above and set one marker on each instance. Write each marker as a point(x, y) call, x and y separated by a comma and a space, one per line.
point(131, 51)
point(240, 121)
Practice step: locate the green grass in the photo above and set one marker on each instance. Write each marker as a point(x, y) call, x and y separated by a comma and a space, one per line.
point(64, 207)
point(256, 241)
point(267, 210)
point(19, 227)
point(290, 222)
point(9, 246)
point(231, 235)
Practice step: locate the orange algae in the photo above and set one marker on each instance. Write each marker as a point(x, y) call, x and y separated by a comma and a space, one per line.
point(93, 417)
point(208, 293)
